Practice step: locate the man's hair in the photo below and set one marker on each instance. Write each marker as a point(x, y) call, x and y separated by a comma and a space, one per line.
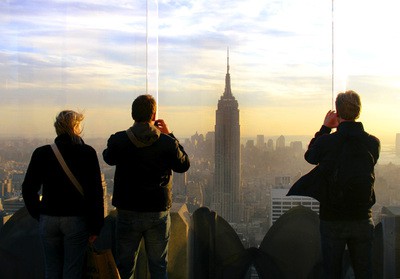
point(66, 123)
point(348, 105)
point(143, 108)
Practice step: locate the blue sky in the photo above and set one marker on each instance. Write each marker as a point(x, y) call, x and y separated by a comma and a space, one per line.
point(91, 56)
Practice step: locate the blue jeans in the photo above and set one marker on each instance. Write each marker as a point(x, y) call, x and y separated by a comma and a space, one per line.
point(154, 228)
point(358, 236)
point(64, 241)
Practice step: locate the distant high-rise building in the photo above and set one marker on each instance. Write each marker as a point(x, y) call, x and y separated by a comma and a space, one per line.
point(179, 184)
point(282, 181)
point(280, 203)
point(6, 187)
point(260, 141)
point(398, 144)
point(210, 136)
point(270, 144)
point(250, 144)
point(106, 199)
point(196, 138)
point(226, 196)
point(210, 141)
point(297, 147)
point(280, 142)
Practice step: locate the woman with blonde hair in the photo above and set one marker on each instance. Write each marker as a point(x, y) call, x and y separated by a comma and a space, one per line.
point(70, 216)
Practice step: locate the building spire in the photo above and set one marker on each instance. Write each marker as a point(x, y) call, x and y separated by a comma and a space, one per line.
point(227, 59)
point(227, 92)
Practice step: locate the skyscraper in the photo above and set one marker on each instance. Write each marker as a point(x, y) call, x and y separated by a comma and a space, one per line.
point(260, 142)
point(226, 194)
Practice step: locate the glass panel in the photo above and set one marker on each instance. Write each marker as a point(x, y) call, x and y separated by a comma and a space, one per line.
point(367, 60)
point(282, 61)
point(88, 56)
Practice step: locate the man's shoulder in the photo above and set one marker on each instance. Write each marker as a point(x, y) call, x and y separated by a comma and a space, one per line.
point(119, 135)
point(327, 138)
point(167, 139)
point(359, 128)
point(373, 138)
point(370, 140)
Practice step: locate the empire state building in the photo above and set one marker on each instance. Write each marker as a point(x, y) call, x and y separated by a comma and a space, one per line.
point(226, 198)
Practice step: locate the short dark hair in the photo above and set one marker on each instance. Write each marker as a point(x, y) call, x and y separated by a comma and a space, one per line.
point(143, 108)
point(348, 105)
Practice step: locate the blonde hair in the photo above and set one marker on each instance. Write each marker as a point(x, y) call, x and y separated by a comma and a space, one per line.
point(348, 105)
point(67, 122)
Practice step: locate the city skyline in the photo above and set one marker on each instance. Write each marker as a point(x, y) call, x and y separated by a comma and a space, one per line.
point(90, 56)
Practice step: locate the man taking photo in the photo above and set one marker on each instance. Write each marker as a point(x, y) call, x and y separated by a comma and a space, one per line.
point(145, 156)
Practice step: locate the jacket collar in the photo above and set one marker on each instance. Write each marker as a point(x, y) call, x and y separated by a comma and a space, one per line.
point(66, 139)
point(350, 128)
point(145, 134)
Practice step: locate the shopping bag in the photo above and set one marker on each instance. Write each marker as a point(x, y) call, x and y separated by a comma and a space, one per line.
point(100, 265)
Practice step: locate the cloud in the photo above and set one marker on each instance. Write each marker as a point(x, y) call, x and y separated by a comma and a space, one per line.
point(92, 55)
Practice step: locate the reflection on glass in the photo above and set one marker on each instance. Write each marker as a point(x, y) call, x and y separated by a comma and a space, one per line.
point(288, 59)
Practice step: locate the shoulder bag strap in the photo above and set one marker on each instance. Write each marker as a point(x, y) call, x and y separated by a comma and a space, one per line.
point(66, 169)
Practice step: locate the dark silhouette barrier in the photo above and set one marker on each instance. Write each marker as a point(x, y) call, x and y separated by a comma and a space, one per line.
point(291, 249)
point(21, 255)
point(293, 242)
point(205, 246)
point(390, 245)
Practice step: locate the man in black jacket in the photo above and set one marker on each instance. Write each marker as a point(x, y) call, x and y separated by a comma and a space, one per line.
point(145, 156)
point(347, 224)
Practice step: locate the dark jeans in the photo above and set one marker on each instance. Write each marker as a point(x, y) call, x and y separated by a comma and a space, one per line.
point(154, 228)
point(64, 241)
point(358, 236)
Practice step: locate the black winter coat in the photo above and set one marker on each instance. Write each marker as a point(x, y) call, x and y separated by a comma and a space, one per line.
point(322, 151)
point(143, 171)
point(59, 195)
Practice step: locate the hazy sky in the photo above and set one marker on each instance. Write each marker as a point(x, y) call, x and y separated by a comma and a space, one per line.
point(91, 56)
